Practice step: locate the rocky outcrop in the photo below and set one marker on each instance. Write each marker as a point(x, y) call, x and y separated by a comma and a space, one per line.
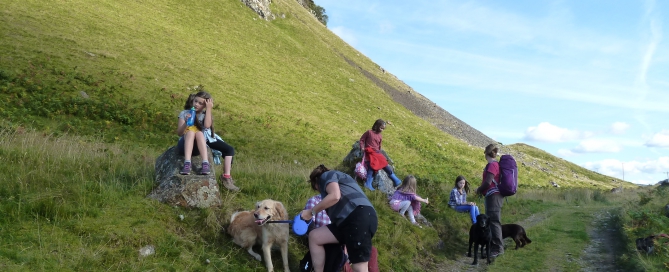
point(261, 7)
point(192, 190)
point(381, 181)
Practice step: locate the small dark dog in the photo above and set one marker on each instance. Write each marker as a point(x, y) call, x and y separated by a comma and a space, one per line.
point(517, 233)
point(479, 234)
point(648, 244)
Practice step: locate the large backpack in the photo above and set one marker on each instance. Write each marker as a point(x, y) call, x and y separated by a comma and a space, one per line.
point(508, 176)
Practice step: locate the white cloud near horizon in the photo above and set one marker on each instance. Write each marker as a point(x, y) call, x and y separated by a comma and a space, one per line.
point(619, 128)
point(546, 132)
point(614, 168)
point(660, 139)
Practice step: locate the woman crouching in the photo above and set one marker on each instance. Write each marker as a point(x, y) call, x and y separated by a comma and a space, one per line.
point(354, 219)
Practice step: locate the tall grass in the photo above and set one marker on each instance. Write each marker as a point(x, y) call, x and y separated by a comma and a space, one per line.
point(74, 203)
point(642, 216)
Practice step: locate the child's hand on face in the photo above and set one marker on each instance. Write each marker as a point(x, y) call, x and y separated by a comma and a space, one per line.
point(209, 103)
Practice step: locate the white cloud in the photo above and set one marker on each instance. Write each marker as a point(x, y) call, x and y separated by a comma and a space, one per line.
point(597, 146)
point(546, 132)
point(345, 34)
point(648, 172)
point(660, 139)
point(619, 127)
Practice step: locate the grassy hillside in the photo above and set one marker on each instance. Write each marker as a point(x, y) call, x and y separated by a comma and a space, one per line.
point(101, 84)
point(282, 88)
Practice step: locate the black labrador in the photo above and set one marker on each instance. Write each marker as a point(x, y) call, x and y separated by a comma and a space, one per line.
point(517, 233)
point(479, 234)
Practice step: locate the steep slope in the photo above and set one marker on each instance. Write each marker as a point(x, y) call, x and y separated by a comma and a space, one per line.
point(121, 70)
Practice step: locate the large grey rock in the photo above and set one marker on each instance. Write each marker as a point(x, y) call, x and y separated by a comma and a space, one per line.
point(381, 180)
point(192, 190)
point(261, 7)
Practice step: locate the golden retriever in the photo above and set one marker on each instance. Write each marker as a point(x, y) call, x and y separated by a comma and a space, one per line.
point(249, 228)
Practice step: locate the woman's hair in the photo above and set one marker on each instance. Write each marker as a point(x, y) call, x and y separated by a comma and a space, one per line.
point(408, 185)
point(315, 176)
point(491, 150)
point(189, 105)
point(378, 124)
point(458, 179)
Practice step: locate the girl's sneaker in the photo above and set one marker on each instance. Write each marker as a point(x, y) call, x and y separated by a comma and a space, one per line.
point(205, 169)
point(186, 169)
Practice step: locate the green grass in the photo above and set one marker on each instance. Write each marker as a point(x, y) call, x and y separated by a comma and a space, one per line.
point(82, 205)
point(78, 167)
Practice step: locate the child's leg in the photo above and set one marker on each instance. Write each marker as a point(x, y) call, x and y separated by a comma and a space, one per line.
point(392, 175)
point(189, 137)
point(227, 164)
point(411, 216)
point(474, 212)
point(404, 206)
point(370, 177)
point(201, 145)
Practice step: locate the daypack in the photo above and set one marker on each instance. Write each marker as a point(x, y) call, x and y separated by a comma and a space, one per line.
point(508, 176)
point(334, 259)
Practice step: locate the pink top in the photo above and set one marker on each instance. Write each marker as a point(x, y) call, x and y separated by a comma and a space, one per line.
point(493, 168)
point(371, 139)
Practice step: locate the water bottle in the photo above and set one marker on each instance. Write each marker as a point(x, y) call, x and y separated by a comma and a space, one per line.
point(191, 119)
point(217, 156)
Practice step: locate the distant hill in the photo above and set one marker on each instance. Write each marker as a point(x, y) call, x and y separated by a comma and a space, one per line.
point(286, 89)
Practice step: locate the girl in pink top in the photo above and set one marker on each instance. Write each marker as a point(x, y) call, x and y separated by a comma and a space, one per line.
point(405, 199)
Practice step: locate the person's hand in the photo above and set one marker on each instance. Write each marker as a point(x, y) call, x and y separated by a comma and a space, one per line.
point(306, 215)
point(209, 103)
point(427, 201)
point(472, 204)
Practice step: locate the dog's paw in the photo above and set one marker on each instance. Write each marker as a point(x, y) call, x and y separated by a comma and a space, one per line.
point(475, 263)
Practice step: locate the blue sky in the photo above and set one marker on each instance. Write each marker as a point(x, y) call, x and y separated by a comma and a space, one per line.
point(587, 81)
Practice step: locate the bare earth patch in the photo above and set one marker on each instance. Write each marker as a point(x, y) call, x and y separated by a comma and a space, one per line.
point(605, 244)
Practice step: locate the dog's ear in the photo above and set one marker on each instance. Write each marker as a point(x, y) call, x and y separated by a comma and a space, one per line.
point(281, 211)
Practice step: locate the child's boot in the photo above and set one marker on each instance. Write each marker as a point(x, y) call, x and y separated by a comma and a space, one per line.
point(396, 180)
point(186, 169)
point(370, 178)
point(205, 169)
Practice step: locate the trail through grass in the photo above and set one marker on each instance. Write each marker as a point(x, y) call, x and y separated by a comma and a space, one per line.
point(560, 236)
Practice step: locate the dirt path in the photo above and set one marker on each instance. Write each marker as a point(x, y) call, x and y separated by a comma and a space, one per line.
point(605, 244)
point(464, 263)
point(599, 254)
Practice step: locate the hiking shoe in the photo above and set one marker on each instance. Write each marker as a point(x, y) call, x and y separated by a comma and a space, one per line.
point(416, 224)
point(186, 169)
point(228, 183)
point(205, 169)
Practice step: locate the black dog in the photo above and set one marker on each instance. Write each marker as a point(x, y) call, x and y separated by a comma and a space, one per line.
point(479, 234)
point(517, 233)
point(648, 244)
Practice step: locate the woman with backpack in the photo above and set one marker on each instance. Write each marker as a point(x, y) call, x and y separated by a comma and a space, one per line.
point(493, 199)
